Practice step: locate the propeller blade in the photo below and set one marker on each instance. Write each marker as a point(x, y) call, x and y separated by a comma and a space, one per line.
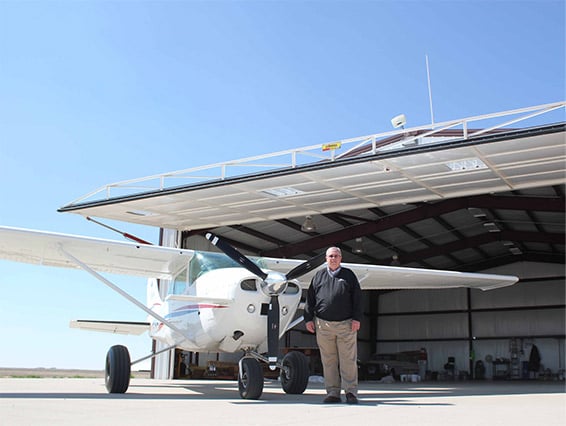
point(273, 332)
point(236, 255)
point(307, 266)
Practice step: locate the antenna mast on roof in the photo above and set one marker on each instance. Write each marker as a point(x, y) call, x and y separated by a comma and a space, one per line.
point(429, 92)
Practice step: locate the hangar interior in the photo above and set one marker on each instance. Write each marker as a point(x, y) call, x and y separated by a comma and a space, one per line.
point(484, 194)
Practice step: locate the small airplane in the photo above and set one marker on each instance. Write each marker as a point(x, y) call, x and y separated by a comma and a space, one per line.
point(217, 301)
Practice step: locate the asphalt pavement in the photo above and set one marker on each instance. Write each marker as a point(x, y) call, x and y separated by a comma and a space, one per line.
point(84, 401)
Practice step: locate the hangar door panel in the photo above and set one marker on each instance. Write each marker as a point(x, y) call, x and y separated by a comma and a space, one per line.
point(426, 326)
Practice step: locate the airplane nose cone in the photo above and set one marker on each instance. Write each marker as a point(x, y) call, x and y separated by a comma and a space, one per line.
point(274, 284)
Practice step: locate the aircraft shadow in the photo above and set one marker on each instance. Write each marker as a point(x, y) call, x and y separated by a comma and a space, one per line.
point(370, 394)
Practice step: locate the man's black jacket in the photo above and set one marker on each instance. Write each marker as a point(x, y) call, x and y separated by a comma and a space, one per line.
point(335, 298)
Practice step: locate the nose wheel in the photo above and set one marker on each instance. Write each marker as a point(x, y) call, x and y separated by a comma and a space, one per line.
point(294, 374)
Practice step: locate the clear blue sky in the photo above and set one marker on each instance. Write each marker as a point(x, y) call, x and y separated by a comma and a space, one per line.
point(93, 92)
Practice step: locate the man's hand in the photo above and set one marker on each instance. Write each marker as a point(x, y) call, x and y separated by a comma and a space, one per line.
point(310, 326)
point(355, 325)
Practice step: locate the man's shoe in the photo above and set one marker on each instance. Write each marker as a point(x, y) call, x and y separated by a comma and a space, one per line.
point(351, 398)
point(331, 399)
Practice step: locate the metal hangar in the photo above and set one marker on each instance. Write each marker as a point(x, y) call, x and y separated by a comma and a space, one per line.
point(481, 194)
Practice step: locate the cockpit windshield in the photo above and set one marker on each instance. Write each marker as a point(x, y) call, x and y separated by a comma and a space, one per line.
point(201, 263)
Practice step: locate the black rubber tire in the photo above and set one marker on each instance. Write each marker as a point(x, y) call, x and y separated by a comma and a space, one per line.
point(117, 370)
point(296, 379)
point(250, 379)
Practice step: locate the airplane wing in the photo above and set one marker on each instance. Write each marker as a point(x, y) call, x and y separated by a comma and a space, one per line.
point(115, 327)
point(379, 277)
point(119, 257)
point(122, 257)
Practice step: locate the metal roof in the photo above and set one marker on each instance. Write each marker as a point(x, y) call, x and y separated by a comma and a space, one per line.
point(450, 197)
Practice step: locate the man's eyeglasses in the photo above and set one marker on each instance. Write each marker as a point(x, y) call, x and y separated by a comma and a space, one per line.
point(333, 255)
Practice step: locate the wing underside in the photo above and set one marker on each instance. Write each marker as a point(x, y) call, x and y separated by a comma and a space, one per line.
point(379, 277)
point(119, 257)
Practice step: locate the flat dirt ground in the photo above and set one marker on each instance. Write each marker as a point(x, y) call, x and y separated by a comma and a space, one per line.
point(60, 373)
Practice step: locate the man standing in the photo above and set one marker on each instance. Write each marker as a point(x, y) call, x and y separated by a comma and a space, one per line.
point(334, 310)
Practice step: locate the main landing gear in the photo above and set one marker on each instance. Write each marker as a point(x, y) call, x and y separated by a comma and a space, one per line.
point(294, 372)
point(117, 370)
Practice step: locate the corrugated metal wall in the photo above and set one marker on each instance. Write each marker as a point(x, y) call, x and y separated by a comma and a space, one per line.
point(451, 322)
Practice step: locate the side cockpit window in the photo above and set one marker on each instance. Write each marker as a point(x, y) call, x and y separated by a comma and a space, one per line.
point(179, 285)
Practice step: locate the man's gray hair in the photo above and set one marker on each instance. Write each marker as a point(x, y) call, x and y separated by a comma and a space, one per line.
point(334, 249)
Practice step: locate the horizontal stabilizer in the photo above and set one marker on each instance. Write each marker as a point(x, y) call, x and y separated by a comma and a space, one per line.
point(115, 327)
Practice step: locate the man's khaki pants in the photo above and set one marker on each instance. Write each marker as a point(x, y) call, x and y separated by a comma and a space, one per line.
point(339, 353)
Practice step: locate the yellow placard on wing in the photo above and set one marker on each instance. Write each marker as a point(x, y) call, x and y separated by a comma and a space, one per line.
point(330, 146)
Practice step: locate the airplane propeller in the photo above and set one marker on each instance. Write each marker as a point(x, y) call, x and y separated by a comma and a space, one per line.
point(273, 284)
point(307, 266)
point(236, 255)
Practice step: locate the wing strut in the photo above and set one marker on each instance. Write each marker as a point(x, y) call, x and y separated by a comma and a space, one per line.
point(153, 354)
point(125, 295)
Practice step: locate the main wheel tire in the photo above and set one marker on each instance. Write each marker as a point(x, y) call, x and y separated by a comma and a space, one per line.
point(250, 379)
point(118, 369)
point(295, 373)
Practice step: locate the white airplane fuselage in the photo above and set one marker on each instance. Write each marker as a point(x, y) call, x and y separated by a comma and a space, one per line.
point(222, 310)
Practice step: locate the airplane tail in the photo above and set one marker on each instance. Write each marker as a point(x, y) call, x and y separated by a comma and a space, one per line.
point(153, 297)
